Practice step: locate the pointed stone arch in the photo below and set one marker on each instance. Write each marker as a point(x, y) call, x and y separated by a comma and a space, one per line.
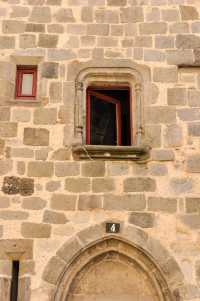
point(92, 245)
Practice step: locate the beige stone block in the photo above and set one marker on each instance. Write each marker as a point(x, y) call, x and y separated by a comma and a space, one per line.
point(36, 137)
point(165, 74)
point(177, 96)
point(139, 184)
point(24, 247)
point(160, 114)
point(103, 184)
point(32, 27)
point(162, 204)
point(132, 14)
point(55, 28)
point(40, 14)
point(4, 113)
point(179, 27)
point(181, 185)
point(89, 202)
point(54, 269)
point(8, 129)
point(33, 203)
point(64, 169)
point(77, 185)
point(21, 115)
point(170, 15)
point(116, 2)
point(180, 57)
point(98, 29)
point(4, 202)
point(21, 152)
point(188, 12)
point(27, 41)
point(19, 11)
point(40, 169)
point(93, 169)
point(153, 135)
point(173, 136)
point(192, 205)
point(162, 155)
point(193, 163)
point(48, 41)
point(87, 14)
point(143, 41)
point(187, 41)
point(21, 168)
point(63, 201)
point(13, 215)
point(12, 26)
point(153, 28)
point(64, 15)
point(7, 42)
point(35, 230)
point(142, 219)
point(6, 166)
point(50, 70)
point(61, 54)
point(61, 154)
point(45, 116)
point(52, 217)
point(129, 202)
point(55, 92)
point(52, 186)
point(106, 16)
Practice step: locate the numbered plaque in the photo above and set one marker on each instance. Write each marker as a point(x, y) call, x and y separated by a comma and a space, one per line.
point(112, 227)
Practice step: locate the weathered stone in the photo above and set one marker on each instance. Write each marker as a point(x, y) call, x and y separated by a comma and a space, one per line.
point(187, 41)
point(55, 92)
point(153, 55)
point(77, 184)
point(164, 42)
point(139, 184)
point(61, 154)
point(106, 16)
point(21, 168)
point(170, 15)
point(153, 28)
point(181, 185)
point(71, 247)
point(33, 203)
point(179, 27)
point(162, 155)
point(188, 12)
point(162, 204)
point(21, 115)
point(189, 114)
point(27, 41)
point(4, 202)
point(40, 169)
point(11, 185)
point(64, 15)
point(24, 247)
point(4, 113)
point(63, 202)
point(13, 215)
point(165, 74)
point(132, 14)
point(191, 220)
point(63, 169)
point(52, 186)
point(193, 163)
point(36, 137)
point(158, 169)
point(7, 42)
point(116, 2)
point(153, 135)
point(61, 54)
point(180, 57)
point(53, 273)
point(143, 41)
point(129, 202)
point(103, 184)
point(192, 205)
point(32, 27)
point(177, 96)
point(5, 166)
point(55, 28)
point(87, 14)
point(193, 98)
point(8, 129)
point(52, 217)
point(89, 202)
point(47, 41)
point(157, 114)
point(143, 220)
point(41, 154)
point(26, 186)
point(93, 169)
point(45, 116)
point(41, 14)
point(98, 29)
point(50, 70)
point(12, 26)
point(19, 12)
point(173, 136)
point(194, 129)
point(117, 168)
point(35, 230)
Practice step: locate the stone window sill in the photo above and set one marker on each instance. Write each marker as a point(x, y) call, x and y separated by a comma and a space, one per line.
point(109, 152)
point(20, 102)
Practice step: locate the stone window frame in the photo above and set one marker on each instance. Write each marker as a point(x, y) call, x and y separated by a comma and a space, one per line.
point(20, 60)
point(112, 72)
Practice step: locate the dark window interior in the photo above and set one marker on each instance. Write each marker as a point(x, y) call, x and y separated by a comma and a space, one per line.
point(108, 120)
point(14, 281)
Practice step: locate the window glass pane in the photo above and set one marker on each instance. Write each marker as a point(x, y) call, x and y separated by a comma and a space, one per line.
point(27, 84)
point(103, 122)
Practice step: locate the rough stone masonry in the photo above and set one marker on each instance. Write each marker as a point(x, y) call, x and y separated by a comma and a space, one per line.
point(53, 204)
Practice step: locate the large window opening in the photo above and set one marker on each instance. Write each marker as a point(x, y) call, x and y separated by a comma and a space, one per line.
point(108, 116)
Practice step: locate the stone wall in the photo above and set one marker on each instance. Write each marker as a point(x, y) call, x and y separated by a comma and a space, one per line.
point(47, 197)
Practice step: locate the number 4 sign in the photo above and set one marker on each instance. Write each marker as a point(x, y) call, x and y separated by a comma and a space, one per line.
point(112, 228)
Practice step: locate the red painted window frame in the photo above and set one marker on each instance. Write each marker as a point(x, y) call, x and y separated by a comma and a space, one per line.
point(103, 97)
point(21, 70)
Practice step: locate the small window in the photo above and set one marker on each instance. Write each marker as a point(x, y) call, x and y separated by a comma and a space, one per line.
point(26, 82)
point(108, 116)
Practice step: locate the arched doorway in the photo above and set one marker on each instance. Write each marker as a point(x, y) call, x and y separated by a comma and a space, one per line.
point(112, 270)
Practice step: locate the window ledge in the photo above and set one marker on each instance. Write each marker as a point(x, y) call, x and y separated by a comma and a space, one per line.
point(110, 152)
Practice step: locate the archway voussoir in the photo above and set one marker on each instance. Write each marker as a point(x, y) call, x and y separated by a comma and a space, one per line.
point(92, 234)
point(69, 249)
point(136, 236)
point(54, 270)
point(172, 273)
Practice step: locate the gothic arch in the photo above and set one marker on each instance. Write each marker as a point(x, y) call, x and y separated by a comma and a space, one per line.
point(91, 246)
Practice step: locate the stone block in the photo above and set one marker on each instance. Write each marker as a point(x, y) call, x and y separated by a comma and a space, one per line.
point(5, 166)
point(65, 169)
point(45, 116)
point(162, 155)
point(165, 74)
point(48, 41)
point(13, 215)
point(153, 135)
point(192, 205)
point(89, 202)
point(12, 26)
point(40, 169)
point(41, 154)
point(63, 202)
point(26, 186)
point(164, 42)
point(21, 168)
point(4, 113)
point(162, 204)
point(55, 92)
point(117, 168)
point(197, 270)
point(97, 29)
point(193, 98)
point(187, 41)
point(4, 202)
point(188, 114)
point(193, 163)
point(188, 12)
point(132, 14)
point(40, 14)
point(36, 137)
point(196, 27)
point(181, 185)
point(153, 28)
point(87, 14)
point(67, 251)
point(13, 246)
point(179, 27)
point(64, 15)
point(52, 186)
point(15, 185)
point(160, 114)
point(173, 136)
point(143, 41)
point(142, 219)
point(55, 28)
point(50, 70)
point(33, 203)
point(61, 154)
point(170, 15)
point(7, 42)
point(53, 270)
point(52, 217)
point(21, 115)
point(153, 55)
point(129, 202)
point(158, 169)
point(93, 169)
point(35, 230)
point(27, 41)
point(177, 96)
point(77, 185)
point(139, 184)
point(116, 2)
point(8, 129)
point(106, 16)
point(32, 27)
point(61, 54)
point(194, 129)
point(19, 11)
point(191, 220)
point(103, 184)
